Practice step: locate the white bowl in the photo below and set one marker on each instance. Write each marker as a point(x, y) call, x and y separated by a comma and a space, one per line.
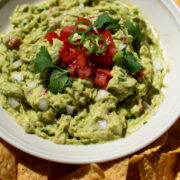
point(168, 112)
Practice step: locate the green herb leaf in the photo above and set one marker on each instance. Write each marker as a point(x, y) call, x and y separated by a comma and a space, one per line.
point(42, 61)
point(118, 58)
point(45, 131)
point(59, 80)
point(104, 21)
point(121, 79)
point(60, 110)
point(127, 59)
point(131, 63)
point(136, 12)
point(136, 33)
point(51, 29)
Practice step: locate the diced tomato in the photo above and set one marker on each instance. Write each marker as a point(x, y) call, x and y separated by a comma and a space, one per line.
point(65, 32)
point(14, 41)
point(139, 74)
point(107, 36)
point(104, 59)
point(84, 72)
point(81, 19)
point(67, 55)
point(73, 68)
point(93, 68)
point(112, 51)
point(102, 77)
point(45, 92)
point(81, 60)
point(106, 71)
point(51, 35)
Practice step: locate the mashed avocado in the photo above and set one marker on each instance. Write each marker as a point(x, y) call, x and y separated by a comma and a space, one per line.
point(82, 113)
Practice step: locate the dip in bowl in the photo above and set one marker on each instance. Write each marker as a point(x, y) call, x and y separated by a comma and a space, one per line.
point(81, 73)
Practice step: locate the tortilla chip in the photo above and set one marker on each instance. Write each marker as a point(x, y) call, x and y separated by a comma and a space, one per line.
point(86, 172)
point(32, 168)
point(178, 2)
point(177, 174)
point(154, 147)
point(115, 169)
point(7, 162)
point(133, 172)
point(174, 130)
point(158, 166)
point(60, 170)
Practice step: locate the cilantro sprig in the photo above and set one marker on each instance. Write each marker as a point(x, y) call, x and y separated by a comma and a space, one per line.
point(104, 21)
point(56, 79)
point(136, 33)
point(42, 61)
point(59, 80)
point(128, 60)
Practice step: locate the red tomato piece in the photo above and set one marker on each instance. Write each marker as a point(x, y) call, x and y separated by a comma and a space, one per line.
point(81, 60)
point(139, 74)
point(67, 55)
point(107, 36)
point(65, 32)
point(101, 80)
point(102, 77)
point(81, 19)
point(14, 41)
point(112, 50)
point(51, 35)
point(84, 72)
point(93, 68)
point(104, 59)
point(105, 71)
point(72, 68)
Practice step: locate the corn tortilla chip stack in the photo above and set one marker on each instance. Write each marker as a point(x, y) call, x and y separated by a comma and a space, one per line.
point(60, 170)
point(177, 173)
point(133, 172)
point(7, 162)
point(115, 169)
point(178, 2)
point(86, 172)
point(31, 168)
point(158, 166)
point(154, 147)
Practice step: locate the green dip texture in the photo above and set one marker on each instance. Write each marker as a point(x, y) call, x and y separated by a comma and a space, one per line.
point(82, 113)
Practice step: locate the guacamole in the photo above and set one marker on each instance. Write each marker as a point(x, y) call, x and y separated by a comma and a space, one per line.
point(81, 112)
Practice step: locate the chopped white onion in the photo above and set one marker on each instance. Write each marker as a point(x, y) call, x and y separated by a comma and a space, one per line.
point(43, 104)
point(102, 124)
point(32, 85)
point(13, 102)
point(122, 46)
point(18, 77)
point(70, 109)
point(102, 93)
point(81, 5)
point(16, 64)
point(146, 105)
point(154, 112)
point(96, 11)
point(157, 64)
